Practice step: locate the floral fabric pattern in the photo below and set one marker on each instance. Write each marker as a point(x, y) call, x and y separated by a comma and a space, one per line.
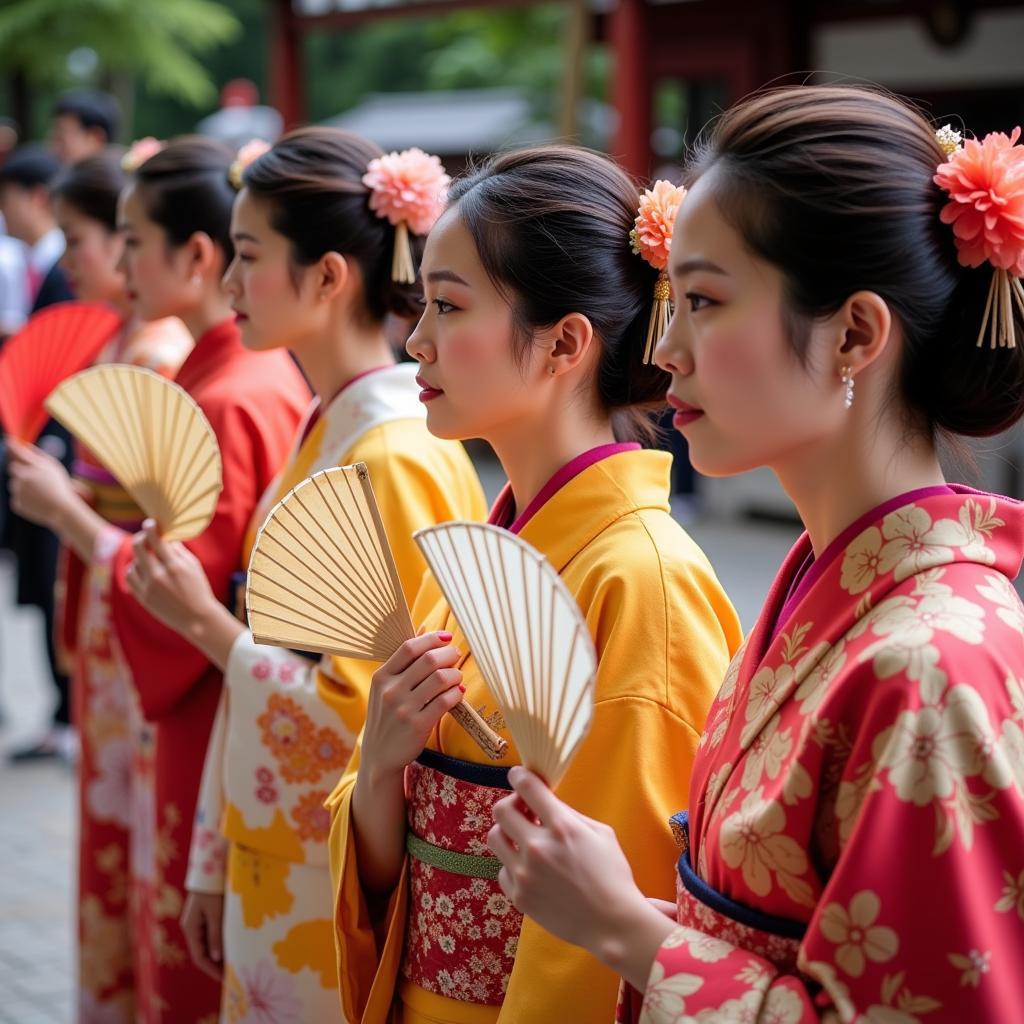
point(863, 776)
point(462, 932)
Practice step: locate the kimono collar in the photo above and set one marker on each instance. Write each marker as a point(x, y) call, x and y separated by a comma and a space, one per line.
point(589, 494)
point(923, 529)
point(218, 345)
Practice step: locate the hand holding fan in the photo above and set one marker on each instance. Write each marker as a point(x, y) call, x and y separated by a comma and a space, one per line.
point(527, 634)
point(151, 435)
point(322, 578)
point(55, 343)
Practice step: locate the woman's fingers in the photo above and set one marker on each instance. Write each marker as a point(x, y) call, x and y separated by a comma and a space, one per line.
point(411, 650)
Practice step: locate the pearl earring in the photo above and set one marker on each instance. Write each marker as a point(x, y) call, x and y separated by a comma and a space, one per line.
point(846, 375)
point(196, 279)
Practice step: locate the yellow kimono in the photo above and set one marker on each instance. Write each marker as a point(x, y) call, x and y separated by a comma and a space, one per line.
point(287, 725)
point(665, 633)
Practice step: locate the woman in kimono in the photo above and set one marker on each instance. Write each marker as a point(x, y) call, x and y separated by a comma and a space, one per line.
point(853, 848)
point(533, 338)
point(104, 710)
point(312, 272)
point(175, 215)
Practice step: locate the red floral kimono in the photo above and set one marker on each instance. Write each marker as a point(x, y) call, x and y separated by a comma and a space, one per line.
point(253, 402)
point(104, 709)
point(855, 844)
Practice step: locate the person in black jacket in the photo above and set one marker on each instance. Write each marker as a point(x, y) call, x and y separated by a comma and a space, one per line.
point(25, 180)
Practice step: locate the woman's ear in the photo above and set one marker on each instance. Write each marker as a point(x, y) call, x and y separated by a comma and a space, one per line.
point(865, 328)
point(568, 343)
point(331, 277)
point(203, 256)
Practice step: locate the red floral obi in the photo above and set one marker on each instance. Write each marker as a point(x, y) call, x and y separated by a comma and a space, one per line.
point(699, 906)
point(462, 932)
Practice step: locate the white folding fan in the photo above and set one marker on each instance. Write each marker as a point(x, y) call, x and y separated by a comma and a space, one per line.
point(322, 578)
point(526, 632)
point(150, 434)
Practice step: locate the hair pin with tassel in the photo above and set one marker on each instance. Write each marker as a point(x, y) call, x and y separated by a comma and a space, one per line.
point(985, 184)
point(409, 189)
point(651, 238)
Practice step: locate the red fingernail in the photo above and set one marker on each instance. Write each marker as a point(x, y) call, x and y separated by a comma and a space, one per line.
point(462, 688)
point(444, 636)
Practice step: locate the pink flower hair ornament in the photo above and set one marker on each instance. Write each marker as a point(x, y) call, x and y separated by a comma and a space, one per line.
point(248, 154)
point(408, 189)
point(985, 184)
point(651, 238)
point(139, 152)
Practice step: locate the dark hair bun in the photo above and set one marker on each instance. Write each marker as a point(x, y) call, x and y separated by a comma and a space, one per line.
point(313, 179)
point(92, 187)
point(185, 189)
point(834, 186)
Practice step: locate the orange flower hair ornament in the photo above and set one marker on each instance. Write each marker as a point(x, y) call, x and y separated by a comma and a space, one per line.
point(985, 184)
point(249, 153)
point(139, 152)
point(409, 190)
point(651, 238)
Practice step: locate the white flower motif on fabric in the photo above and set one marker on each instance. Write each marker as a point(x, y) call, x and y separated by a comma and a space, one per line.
point(856, 935)
point(828, 661)
point(767, 754)
point(928, 753)
point(109, 794)
point(753, 840)
point(914, 542)
point(665, 998)
point(977, 524)
point(999, 590)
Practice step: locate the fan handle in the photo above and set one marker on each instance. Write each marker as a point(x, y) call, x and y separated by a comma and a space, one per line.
point(468, 717)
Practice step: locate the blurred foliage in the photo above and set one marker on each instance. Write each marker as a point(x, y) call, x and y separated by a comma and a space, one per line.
point(159, 41)
point(474, 49)
point(166, 58)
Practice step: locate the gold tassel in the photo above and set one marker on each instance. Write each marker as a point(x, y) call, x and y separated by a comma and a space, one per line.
point(402, 268)
point(1004, 294)
point(661, 313)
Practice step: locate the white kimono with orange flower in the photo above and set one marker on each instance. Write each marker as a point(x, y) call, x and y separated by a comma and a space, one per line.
point(855, 842)
point(280, 741)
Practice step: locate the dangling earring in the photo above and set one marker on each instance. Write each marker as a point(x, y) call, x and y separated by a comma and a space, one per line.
point(552, 369)
point(846, 375)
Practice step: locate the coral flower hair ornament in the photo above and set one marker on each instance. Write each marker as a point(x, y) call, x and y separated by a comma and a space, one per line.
point(139, 152)
point(409, 190)
point(651, 238)
point(985, 184)
point(248, 154)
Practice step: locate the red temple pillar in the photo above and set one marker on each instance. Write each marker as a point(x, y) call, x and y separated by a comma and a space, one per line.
point(287, 85)
point(632, 86)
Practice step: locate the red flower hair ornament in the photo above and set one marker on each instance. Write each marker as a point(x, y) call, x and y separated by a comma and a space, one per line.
point(985, 184)
point(651, 238)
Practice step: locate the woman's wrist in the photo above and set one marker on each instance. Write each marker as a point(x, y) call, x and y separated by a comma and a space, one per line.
point(214, 630)
point(630, 939)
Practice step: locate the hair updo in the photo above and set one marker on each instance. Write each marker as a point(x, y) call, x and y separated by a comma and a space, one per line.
point(313, 180)
point(833, 186)
point(92, 186)
point(551, 227)
point(185, 189)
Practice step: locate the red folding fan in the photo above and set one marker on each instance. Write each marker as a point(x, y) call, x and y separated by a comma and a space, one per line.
point(56, 343)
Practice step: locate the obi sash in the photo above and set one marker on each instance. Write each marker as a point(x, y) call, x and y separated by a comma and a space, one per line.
point(700, 906)
point(462, 931)
point(110, 500)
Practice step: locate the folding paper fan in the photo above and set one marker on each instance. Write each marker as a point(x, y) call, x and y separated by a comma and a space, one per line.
point(54, 344)
point(526, 632)
point(151, 435)
point(322, 578)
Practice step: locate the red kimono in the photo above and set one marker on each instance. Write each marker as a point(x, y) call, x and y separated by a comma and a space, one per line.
point(855, 842)
point(253, 402)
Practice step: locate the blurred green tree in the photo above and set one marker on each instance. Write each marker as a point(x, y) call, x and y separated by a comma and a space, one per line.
point(157, 42)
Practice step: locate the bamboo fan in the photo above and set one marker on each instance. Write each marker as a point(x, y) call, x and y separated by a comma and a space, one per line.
point(151, 435)
point(55, 343)
point(322, 578)
point(527, 634)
